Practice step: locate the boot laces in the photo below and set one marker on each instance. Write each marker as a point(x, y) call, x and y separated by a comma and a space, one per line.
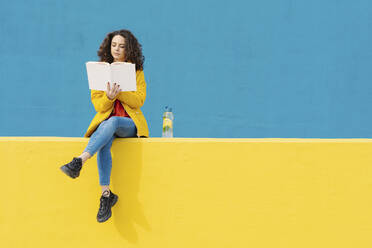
point(104, 203)
point(75, 164)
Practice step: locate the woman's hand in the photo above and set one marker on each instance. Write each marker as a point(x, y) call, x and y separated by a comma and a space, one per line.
point(113, 91)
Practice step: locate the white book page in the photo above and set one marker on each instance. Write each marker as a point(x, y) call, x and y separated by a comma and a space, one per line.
point(98, 75)
point(124, 74)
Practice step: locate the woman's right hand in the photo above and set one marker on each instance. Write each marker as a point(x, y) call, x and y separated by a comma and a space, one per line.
point(113, 91)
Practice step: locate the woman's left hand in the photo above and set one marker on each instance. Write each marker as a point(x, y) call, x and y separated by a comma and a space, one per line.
point(112, 92)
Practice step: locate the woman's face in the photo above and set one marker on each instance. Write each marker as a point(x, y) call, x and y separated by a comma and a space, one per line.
point(117, 48)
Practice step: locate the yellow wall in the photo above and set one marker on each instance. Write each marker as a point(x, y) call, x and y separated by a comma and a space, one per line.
point(183, 193)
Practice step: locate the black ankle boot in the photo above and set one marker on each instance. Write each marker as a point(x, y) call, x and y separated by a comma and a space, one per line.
point(73, 168)
point(106, 202)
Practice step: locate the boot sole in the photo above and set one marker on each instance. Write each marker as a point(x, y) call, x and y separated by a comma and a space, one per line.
point(68, 172)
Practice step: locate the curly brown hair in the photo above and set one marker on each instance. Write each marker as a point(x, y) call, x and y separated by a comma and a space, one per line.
point(133, 49)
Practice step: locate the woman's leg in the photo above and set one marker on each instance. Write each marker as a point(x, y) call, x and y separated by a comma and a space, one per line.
point(124, 127)
point(102, 136)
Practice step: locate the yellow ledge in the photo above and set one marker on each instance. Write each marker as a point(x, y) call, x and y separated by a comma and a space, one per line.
point(185, 192)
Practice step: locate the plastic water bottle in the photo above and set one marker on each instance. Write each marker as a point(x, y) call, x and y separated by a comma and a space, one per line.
point(168, 123)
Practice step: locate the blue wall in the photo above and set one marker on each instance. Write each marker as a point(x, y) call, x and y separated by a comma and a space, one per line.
point(261, 68)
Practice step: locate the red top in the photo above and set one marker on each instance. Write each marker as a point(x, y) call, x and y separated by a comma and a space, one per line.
point(118, 110)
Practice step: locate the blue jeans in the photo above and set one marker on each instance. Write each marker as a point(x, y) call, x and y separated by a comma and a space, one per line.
point(101, 141)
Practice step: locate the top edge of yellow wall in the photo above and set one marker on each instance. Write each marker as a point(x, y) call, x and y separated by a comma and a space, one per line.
point(191, 140)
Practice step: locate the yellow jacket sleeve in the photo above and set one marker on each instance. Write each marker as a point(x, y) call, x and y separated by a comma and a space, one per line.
point(100, 100)
point(135, 99)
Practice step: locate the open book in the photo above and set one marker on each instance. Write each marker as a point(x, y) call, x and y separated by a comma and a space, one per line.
point(122, 73)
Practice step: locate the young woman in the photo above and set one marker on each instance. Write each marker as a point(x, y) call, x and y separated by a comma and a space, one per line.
point(118, 115)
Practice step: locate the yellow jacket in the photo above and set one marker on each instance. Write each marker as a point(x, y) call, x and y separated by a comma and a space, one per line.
point(131, 101)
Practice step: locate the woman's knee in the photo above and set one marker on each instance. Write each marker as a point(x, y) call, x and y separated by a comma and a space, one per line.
point(110, 123)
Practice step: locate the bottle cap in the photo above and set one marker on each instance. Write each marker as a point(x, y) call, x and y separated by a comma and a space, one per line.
point(168, 109)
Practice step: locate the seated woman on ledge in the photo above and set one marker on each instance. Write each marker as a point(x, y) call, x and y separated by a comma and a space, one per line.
point(118, 115)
